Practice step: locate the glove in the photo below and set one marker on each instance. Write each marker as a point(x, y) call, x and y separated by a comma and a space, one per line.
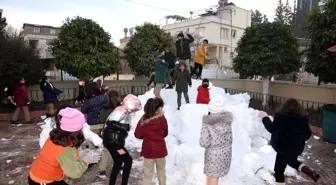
point(262, 114)
point(93, 156)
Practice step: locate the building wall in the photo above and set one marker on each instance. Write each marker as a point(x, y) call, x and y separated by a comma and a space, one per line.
point(43, 34)
point(217, 29)
point(300, 22)
point(42, 45)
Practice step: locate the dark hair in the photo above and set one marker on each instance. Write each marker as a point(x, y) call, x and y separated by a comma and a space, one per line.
point(64, 138)
point(180, 34)
point(91, 90)
point(292, 106)
point(115, 99)
point(57, 117)
point(152, 105)
point(205, 80)
point(206, 40)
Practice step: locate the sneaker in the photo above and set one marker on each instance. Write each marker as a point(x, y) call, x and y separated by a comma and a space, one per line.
point(29, 122)
point(169, 87)
point(178, 108)
point(13, 122)
point(102, 174)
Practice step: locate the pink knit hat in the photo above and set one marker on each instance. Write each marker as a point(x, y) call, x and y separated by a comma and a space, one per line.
point(72, 120)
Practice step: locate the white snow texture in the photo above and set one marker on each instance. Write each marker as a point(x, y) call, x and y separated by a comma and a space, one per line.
point(185, 160)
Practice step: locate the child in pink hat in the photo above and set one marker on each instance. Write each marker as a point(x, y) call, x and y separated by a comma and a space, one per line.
point(59, 156)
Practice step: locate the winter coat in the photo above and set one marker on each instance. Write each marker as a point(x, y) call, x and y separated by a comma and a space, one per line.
point(49, 125)
point(216, 138)
point(289, 132)
point(182, 79)
point(203, 95)
point(170, 58)
point(115, 134)
point(50, 93)
point(54, 162)
point(183, 47)
point(153, 132)
point(161, 70)
point(21, 95)
point(81, 93)
point(92, 106)
point(200, 55)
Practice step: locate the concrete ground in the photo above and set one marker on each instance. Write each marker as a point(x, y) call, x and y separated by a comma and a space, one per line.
point(19, 145)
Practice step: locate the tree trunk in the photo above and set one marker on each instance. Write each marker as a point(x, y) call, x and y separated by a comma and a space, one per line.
point(319, 81)
point(265, 90)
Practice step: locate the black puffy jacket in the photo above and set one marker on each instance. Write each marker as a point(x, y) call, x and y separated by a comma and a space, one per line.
point(183, 47)
point(171, 59)
point(289, 133)
point(115, 134)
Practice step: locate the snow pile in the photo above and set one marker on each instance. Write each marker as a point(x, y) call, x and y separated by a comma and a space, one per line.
point(251, 153)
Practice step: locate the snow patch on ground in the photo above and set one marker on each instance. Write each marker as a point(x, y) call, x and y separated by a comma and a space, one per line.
point(252, 157)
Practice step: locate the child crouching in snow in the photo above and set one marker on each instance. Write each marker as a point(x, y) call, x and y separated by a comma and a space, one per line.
point(54, 122)
point(216, 138)
point(59, 155)
point(290, 130)
point(203, 95)
point(115, 134)
point(153, 129)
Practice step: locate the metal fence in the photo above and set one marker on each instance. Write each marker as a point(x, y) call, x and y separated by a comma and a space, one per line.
point(274, 103)
point(69, 96)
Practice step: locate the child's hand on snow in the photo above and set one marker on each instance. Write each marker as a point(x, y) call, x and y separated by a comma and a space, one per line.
point(262, 114)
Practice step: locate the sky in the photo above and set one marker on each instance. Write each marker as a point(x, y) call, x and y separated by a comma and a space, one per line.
point(114, 15)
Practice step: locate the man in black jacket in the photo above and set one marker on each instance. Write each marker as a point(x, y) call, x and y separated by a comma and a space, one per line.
point(183, 52)
point(170, 58)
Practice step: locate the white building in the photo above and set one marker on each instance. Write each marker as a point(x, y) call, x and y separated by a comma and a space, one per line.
point(223, 28)
point(38, 37)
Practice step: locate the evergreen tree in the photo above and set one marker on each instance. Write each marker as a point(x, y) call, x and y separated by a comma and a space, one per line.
point(257, 17)
point(288, 14)
point(280, 13)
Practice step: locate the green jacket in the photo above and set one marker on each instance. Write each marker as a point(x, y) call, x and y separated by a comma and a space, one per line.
point(161, 70)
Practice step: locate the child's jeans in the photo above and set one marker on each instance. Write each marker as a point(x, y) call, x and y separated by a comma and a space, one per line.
point(179, 96)
point(149, 170)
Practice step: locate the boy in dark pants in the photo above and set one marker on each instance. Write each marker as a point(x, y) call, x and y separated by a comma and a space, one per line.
point(290, 130)
point(182, 79)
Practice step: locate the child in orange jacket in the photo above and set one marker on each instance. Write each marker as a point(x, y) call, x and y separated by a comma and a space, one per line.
point(59, 155)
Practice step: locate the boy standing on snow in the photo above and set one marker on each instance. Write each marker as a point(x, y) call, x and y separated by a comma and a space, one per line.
point(203, 95)
point(161, 69)
point(182, 79)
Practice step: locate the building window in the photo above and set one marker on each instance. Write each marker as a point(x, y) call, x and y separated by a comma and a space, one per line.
point(52, 31)
point(200, 31)
point(234, 33)
point(234, 12)
point(37, 30)
point(224, 33)
point(33, 44)
point(225, 49)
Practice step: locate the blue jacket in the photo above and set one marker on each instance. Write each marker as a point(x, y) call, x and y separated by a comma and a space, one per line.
point(161, 70)
point(92, 107)
point(50, 93)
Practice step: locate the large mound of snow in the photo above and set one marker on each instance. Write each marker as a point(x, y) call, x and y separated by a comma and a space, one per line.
point(252, 157)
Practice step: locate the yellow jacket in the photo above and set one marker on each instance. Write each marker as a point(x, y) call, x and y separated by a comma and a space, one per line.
point(200, 55)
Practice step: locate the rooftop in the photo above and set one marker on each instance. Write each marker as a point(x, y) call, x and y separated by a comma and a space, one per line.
point(38, 25)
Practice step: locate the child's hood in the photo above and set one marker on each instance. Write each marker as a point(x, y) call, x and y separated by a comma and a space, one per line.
point(218, 118)
point(144, 120)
